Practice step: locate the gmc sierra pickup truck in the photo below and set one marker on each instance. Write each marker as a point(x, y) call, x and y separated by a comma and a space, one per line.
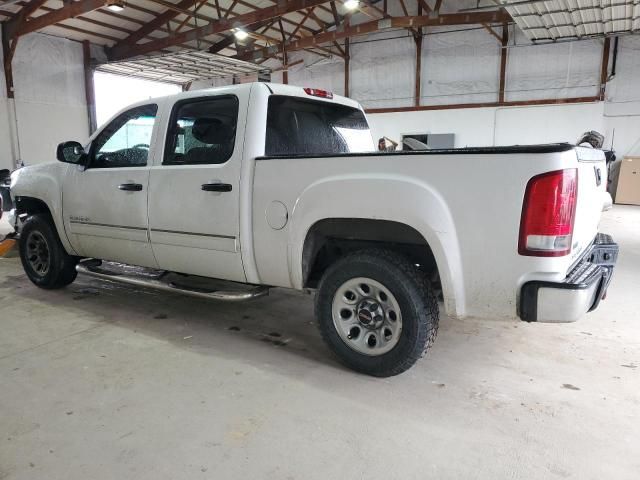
point(226, 192)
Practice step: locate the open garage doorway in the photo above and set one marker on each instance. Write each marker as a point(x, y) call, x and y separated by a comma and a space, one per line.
point(115, 92)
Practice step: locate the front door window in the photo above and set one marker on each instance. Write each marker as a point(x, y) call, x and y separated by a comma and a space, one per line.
point(125, 141)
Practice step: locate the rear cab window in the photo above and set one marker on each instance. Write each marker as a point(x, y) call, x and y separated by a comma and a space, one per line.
point(298, 126)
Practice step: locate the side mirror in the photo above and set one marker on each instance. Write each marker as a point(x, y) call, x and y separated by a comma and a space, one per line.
point(71, 152)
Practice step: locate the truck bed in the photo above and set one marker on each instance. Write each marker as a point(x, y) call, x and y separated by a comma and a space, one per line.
point(471, 202)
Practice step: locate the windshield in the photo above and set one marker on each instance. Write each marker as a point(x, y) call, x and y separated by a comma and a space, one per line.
point(298, 126)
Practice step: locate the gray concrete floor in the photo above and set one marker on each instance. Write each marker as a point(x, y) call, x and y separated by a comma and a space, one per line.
point(99, 381)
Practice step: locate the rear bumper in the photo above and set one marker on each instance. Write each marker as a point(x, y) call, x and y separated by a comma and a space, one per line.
point(581, 291)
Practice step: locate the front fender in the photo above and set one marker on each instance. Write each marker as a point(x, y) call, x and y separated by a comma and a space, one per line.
point(44, 182)
point(382, 197)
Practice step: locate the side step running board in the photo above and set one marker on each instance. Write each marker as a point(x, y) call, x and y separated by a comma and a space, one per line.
point(244, 292)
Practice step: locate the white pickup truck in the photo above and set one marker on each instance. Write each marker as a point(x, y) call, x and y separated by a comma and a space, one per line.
point(263, 185)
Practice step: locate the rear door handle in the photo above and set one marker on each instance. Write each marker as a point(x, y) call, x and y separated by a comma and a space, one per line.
point(217, 187)
point(130, 187)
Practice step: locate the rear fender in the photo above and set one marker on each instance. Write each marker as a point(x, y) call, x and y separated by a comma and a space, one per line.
point(382, 197)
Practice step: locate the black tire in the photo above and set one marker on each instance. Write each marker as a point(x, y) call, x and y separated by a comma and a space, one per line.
point(413, 294)
point(60, 268)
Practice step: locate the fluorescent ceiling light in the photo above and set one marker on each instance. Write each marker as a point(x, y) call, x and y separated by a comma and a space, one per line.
point(241, 34)
point(351, 4)
point(116, 6)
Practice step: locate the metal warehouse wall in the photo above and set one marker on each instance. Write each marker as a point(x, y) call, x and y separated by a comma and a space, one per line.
point(50, 104)
point(463, 67)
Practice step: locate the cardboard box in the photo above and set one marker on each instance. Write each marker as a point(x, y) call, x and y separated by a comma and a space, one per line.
point(628, 191)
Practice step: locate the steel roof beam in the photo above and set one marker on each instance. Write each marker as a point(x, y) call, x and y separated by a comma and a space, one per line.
point(496, 16)
point(68, 11)
point(155, 24)
point(220, 26)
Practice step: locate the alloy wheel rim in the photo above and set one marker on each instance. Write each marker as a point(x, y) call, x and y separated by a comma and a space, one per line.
point(38, 254)
point(367, 316)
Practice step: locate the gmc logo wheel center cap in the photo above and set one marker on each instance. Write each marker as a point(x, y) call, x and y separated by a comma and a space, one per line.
point(370, 314)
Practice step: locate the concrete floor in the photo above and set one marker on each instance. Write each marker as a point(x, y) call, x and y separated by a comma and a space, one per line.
point(106, 382)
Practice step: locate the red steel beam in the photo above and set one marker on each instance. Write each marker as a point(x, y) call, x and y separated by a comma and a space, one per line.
point(519, 103)
point(89, 91)
point(417, 37)
point(22, 17)
point(418, 79)
point(504, 51)
point(604, 68)
point(347, 67)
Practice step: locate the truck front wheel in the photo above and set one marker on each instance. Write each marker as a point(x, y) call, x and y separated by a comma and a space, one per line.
point(43, 257)
point(377, 312)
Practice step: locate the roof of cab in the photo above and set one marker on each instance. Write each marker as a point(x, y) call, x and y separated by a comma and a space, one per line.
point(295, 91)
point(275, 88)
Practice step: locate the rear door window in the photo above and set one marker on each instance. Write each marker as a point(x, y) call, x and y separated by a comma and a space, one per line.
point(202, 131)
point(298, 126)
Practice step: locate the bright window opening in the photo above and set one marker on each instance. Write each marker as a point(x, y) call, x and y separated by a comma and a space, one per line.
point(113, 93)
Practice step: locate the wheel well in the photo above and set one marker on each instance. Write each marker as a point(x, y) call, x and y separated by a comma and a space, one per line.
point(330, 239)
point(31, 205)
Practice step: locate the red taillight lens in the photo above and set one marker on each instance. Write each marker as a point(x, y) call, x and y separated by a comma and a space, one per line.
point(314, 92)
point(548, 213)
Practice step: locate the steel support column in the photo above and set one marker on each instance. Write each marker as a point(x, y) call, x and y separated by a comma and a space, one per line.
point(504, 51)
point(604, 68)
point(347, 66)
point(89, 89)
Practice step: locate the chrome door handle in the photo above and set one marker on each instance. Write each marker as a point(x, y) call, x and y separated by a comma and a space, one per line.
point(217, 187)
point(130, 187)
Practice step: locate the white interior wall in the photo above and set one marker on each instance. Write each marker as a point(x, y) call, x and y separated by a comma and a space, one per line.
point(6, 156)
point(382, 73)
point(315, 71)
point(546, 123)
point(472, 126)
point(459, 67)
point(50, 102)
point(489, 126)
point(622, 109)
point(561, 70)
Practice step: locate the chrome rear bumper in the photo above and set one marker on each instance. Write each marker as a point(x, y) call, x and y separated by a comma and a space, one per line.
point(581, 292)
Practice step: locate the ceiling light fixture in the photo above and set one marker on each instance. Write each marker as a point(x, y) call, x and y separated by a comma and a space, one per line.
point(351, 4)
point(116, 6)
point(241, 34)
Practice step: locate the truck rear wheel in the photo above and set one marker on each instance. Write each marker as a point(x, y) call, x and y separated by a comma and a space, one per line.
point(377, 312)
point(43, 257)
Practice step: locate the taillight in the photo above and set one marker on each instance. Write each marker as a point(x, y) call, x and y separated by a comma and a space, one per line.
point(548, 212)
point(314, 92)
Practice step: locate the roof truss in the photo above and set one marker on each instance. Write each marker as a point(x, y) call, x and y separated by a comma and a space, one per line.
point(221, 25)
point(408, 22)
point(284, 26)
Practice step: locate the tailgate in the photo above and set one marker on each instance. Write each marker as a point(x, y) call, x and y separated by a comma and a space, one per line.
point(592, 198)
